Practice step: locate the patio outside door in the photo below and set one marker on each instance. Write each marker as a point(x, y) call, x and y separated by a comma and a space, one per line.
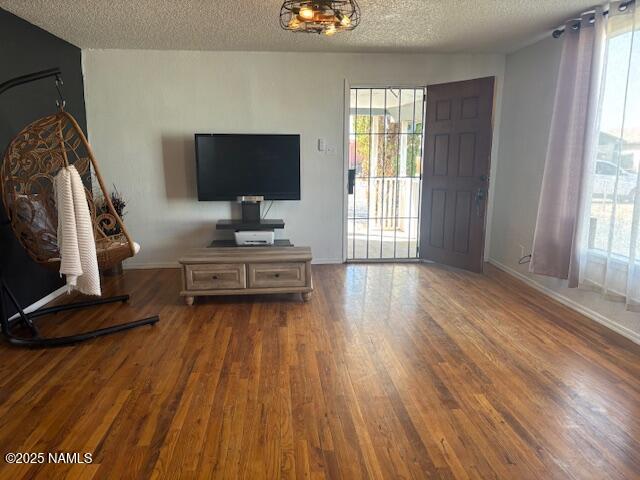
point(385, 161)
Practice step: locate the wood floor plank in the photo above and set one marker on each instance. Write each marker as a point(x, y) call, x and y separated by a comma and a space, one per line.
point(390, 371)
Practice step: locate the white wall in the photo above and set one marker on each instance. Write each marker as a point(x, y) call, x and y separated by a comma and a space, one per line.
point(143, 108)
point(528, 95)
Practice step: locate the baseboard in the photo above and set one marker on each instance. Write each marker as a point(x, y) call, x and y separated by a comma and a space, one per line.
point(326, 261)
point(43, 301)
point(149, 265)
point(572, 304)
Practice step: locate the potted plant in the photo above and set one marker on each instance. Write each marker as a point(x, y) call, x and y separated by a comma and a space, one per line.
point(119, 205)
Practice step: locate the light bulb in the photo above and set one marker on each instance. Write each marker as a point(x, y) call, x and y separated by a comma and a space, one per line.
point(306, 12)
point(344, 20)
point(330, 30)
point(294, 23)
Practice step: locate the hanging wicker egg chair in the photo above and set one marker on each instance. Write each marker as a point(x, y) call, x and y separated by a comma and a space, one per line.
point(32, 160)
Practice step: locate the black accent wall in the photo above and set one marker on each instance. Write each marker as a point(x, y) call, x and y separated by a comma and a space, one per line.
point(25, 48)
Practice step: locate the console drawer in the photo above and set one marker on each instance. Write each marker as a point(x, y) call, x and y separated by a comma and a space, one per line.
point(270, 275)
point(215, 276)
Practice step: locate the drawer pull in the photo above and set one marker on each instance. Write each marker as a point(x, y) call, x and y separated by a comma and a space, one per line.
point(277, 275)
point(215, 277)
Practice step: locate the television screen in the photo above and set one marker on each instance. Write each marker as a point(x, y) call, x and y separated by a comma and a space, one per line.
point(232, 165)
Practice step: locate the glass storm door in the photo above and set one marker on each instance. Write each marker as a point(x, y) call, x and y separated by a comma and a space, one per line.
point(385, 163)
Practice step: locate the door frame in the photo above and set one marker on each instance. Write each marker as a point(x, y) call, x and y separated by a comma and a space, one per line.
point(493, 158)
point(345, 168)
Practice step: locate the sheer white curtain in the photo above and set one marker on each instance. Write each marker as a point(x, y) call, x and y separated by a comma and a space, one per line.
point(609, 243)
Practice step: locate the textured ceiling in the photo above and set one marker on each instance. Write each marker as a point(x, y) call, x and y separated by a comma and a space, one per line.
point(387, 25)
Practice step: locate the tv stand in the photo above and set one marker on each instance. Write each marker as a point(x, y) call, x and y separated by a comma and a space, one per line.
point(233, 270)
point(225, 268)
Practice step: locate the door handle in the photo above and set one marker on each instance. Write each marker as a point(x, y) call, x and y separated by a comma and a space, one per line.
point(481, 195)
point(352, 180)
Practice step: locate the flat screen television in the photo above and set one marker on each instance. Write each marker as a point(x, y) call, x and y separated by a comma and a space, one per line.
point(233, 165)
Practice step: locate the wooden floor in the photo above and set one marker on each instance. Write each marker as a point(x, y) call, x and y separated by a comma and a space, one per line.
point(390, 371)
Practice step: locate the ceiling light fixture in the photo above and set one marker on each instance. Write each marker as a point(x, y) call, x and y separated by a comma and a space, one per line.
point(319, 16)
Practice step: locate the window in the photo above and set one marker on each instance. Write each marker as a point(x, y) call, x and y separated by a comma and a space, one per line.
point(610, 263)
point(615, 182)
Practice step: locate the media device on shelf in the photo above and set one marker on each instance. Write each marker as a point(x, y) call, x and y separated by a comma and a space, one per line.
point(248, 168)
point(260, 237)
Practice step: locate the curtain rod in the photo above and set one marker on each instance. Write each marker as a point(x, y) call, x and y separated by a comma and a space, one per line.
point(622, 7)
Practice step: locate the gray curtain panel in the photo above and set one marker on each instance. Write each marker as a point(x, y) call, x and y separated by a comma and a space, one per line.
point(570, 152)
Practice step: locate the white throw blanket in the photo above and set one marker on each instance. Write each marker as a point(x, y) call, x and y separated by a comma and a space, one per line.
point(78, 259)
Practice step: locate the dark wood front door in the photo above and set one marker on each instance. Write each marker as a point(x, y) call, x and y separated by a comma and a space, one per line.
point(456, 172)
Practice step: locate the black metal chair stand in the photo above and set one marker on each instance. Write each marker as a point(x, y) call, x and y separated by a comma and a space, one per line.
point(36, 340)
